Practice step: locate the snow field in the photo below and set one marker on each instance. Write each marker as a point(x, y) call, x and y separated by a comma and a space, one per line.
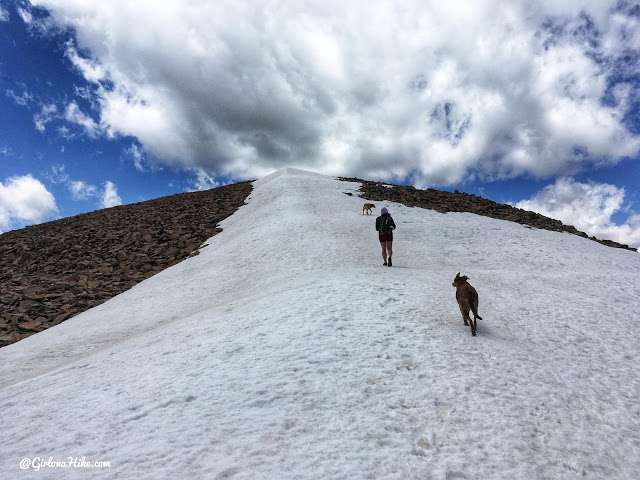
point(286, 350)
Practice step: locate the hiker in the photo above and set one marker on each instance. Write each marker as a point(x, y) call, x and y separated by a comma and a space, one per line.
point(385, 226)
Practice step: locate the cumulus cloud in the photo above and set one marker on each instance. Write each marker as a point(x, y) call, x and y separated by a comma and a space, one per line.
point(73, 114)
point(91, 70)
point(25, 14)
point(4, 15)
point(137, 155)
point(110, 197)
point(24, 200)
point(81, 190)
point(436, 90)
point(203, 181)
point(588, 207)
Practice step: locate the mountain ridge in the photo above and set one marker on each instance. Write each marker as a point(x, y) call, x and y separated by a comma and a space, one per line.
point(444, 202)
point(45, 283)
point(55, 270)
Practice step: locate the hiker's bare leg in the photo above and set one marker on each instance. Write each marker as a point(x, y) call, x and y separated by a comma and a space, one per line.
point(384, 251)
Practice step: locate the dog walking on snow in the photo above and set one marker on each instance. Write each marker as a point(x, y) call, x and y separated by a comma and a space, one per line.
point(367, 208)
point(467, 299)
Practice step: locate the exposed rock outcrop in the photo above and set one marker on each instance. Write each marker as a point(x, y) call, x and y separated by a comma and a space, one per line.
point(443, 202)
point(53, 271)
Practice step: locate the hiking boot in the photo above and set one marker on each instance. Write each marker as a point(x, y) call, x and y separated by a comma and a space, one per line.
point(389, 261)
point(385, 264)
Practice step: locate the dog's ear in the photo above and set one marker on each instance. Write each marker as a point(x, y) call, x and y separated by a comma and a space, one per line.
point(458, 275)
point(465, 278)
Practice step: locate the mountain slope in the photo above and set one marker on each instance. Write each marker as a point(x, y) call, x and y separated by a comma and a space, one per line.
point(53, 271)
point(286, 350)
point(443, 202)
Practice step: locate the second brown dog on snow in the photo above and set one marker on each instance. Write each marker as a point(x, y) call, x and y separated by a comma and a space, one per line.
point(367, 207)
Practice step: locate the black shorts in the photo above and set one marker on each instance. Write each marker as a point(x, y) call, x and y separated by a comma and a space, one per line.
point(385, 237)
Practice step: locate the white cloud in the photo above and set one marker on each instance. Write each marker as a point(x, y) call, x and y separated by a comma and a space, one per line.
point(90, 69)
point(49, 112)
point(81, 190)
point(435, 89)
point(73, 114)
point(65, 132)
point(25, 15)
point(203, 181)
point(46, 115)
point(110, 197)
point(588, 207)
point(22, 100)
point(24, 200)
point(137, 155)
point(4, 15)
point(57, 174)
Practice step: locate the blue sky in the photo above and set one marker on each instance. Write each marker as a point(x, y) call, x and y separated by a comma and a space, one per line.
point(538, 105)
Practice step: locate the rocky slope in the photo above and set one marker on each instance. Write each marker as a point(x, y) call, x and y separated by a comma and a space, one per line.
point(444, 202)
point(53, 271)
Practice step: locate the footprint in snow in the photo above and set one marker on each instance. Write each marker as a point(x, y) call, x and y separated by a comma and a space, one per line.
point(388, 301)
point(442, 410)
point(424, 444)
point(407, 362)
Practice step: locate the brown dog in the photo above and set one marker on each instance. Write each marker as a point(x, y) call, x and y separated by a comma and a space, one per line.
point(467, 299)
point(368, 207)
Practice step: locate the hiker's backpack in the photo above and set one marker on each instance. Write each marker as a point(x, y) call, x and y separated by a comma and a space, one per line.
point(385, 224)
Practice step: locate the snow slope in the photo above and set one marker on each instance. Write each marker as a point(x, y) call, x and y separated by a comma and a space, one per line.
point(285, 350)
